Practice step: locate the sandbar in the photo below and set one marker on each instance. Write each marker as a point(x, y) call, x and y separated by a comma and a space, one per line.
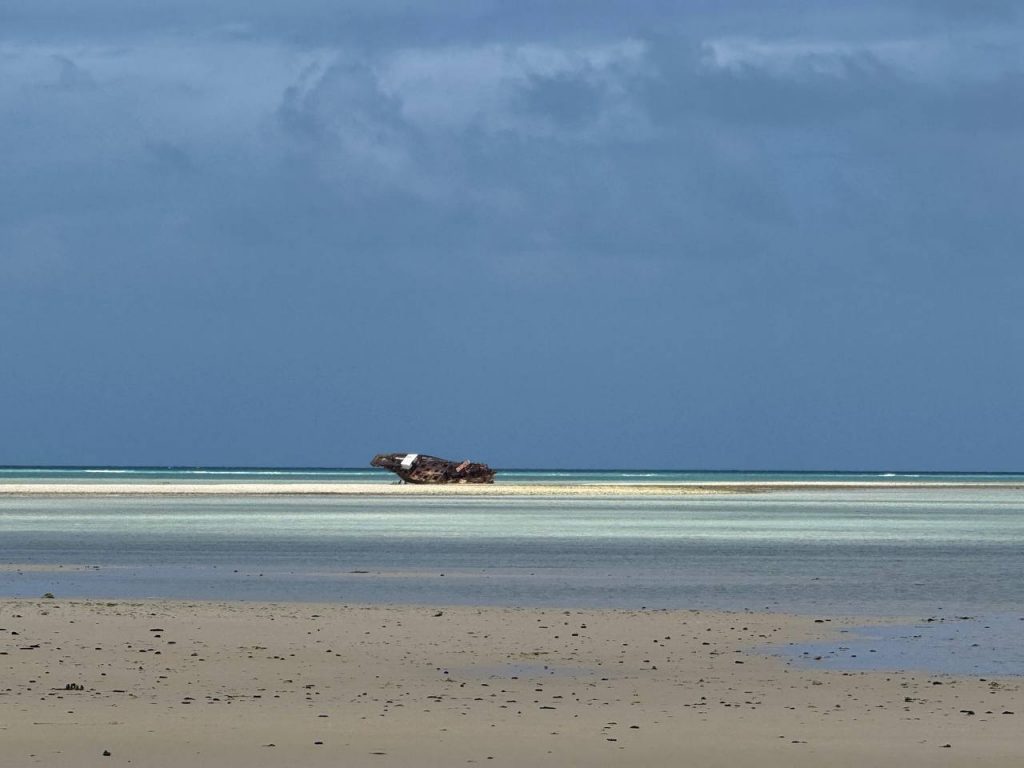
point(214, 488)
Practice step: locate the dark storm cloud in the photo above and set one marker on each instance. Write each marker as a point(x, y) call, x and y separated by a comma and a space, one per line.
point(635, 234)
point(571, 100)
point(373, 24)
point(999, 11)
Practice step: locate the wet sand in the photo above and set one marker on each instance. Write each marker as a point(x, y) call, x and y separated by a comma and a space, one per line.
point(252, 684)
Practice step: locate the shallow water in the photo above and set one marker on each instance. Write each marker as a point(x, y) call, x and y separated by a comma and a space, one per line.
point(896, 552)
point(900, 552)
point(986, 646)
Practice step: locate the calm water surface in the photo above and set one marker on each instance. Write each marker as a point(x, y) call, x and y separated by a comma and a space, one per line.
point(899, 552)
point(933, 553)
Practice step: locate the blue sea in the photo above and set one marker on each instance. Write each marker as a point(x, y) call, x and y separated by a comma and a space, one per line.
point(918, 552)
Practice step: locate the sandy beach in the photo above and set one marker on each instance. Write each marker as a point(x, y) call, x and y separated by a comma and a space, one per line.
point(252, 684)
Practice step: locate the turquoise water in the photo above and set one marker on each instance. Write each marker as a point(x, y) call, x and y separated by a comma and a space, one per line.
point(910, 552)
point(920, 552)
point(554, 476)
point(875, 551)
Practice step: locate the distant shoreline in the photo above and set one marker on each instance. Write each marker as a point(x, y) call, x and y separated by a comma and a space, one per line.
point(499, 489)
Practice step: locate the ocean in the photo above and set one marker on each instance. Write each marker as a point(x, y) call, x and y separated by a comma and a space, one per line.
point(932, 555)
point(887, 551)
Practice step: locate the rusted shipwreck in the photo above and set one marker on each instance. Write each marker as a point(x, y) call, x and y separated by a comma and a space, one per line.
point(421, 469)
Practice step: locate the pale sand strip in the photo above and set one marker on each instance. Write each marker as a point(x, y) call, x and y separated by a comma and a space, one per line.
point(45, 568)
point(258, 685)
point(500, 489)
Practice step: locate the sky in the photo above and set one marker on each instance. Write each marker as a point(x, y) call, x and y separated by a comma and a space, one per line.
point(702, 235)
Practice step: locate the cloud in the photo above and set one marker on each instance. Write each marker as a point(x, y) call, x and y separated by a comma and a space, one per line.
point(347, 121)
point(676, 202)
point(501, 89)
point(72, 77)
point(984, 11)
point(665, 146)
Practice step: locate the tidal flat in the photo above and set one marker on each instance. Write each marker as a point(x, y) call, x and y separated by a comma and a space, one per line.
point(422, 628)
point(167, 683)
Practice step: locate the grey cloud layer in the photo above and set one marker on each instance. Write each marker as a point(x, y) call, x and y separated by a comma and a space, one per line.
point(520, 133)
point(388, 22)
point(783, 184)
